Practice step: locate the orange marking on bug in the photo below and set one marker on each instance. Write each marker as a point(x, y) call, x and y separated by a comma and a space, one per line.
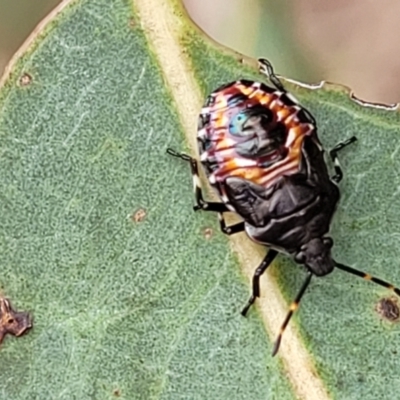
point(223, 144)
point(261, 97)
point(283, 113)
point(220, 120)
point(266, 100)
point(229, 167)
point(246, 90)
point(367, 277)
point(220, 103)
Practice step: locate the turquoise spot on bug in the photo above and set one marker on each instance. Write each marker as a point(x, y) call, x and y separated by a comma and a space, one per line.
point(236, 123)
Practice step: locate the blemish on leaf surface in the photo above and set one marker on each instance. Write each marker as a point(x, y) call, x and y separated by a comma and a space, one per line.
point(25, 79)
point(207, 232)
point(13, 322)
point(388, 308)
point(139, 215)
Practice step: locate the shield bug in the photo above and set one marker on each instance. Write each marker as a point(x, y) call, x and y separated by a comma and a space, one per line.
point(261, 153)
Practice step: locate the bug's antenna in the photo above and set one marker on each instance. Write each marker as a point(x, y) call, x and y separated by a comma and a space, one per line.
point(183, 156)
point(265, 67)
point(293, 307)
point(368, 277)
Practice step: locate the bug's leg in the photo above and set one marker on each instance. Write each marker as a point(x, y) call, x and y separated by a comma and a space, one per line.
point(232, 229)
point(256, 279)
point(201, 204)
point(265, 67)
point(368, 277)
point(334, 157)
point(293, 307)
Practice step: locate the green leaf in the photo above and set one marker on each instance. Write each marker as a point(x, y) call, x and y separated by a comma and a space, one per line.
point(133, 295)
point(139, 310)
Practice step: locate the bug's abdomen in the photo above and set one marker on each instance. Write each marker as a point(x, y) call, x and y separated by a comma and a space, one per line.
point(253, 132)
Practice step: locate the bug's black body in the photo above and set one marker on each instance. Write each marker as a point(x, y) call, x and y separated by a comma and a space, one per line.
point(294, 214)
point(262, 155)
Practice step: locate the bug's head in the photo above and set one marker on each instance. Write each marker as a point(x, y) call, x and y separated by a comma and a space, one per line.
point(316, 255)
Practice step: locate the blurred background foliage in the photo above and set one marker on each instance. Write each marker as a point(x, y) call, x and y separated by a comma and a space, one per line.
point(353, 42)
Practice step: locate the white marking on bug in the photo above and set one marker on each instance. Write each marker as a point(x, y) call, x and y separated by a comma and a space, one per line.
point(281, 115)
point(231, 208)
point(212, 179)
point(196, 181)
point(290, 119)
point(297, 108)
point(291, 137)
point(202, 133)
point(291, 97)
point(204, 156)
point(295, 119)
point(273, 103)
point(311, 128)
point(224, 198)
point(245, 162)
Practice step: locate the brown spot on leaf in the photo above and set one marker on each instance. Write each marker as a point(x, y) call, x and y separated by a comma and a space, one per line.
point(388, 308)
point(132, 23)
point(11, 321)
point(117, 392)
point(25, 79)
point(207, 232)
point(139, 215)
